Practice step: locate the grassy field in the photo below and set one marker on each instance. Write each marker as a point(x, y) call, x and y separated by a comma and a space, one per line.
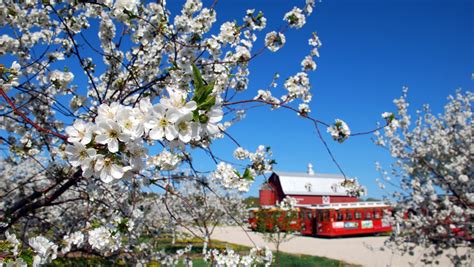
point(292, 260)
point(285, 258)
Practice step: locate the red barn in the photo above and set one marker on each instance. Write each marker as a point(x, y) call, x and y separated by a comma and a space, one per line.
point(307, 188)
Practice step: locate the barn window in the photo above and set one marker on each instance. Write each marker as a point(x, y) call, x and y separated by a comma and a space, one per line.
point(308, 187)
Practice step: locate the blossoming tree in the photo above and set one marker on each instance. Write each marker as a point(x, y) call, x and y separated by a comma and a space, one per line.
point(431, 183)
point(201, 205)
point(104, 101)
point(278, 226)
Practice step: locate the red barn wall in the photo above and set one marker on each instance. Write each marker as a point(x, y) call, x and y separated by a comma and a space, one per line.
point(275, 183)
point(267, 197)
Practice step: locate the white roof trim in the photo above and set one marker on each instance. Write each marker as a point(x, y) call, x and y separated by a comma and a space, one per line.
point(311, 184)
point(347, 205)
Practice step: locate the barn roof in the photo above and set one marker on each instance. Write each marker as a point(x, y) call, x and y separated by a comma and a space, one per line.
point(311, 184)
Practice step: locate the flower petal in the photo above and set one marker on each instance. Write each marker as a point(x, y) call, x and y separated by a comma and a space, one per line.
point(113, 145)
point(116, 171)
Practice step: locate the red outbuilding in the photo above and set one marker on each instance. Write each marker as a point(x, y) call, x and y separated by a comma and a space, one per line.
point(307, 188)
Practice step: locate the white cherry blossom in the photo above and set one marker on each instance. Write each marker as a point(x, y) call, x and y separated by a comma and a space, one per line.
point(102, 239)
point(80, 155)
point(110, 133)
point(128, 5)
point(162, 124)
point(186, 128)
point(295, 18)
point(108, 169)
point(61, 79)
point(45, 250)
point(274, 41)
point(308, 64)
point(11, 238)
point(339, 131)
point(80, 131)
point(228, 33)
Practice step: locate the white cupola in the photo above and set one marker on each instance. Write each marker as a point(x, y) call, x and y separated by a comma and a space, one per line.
point(310, 169)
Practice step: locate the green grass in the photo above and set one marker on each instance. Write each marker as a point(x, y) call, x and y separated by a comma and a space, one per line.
point(82, 262)
point(286, 259)
point(290, 260)
point(197, 263)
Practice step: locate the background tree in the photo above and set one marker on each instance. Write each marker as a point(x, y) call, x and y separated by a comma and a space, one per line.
point(201, 205)
point(252, 202)
point(431, 181)
point(277, 225)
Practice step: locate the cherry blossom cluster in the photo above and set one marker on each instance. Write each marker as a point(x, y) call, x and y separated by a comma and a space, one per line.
point(339, 131)
point(229, 257)
point(230, 178)
point(74, 239)
point(113, 144)
point(274, 41)
point(181, 255)
point(165, 161)
point(12, 245)
point(391, 122)
point(9, 76)
point(304, 109)
point(13, 242)
point(260, 163)
point(295, 18)
point(60, 79)
point(45, 250)
point(266, 96)
point(308, 63)
point(104, 239)
point(76, 223)
point(288, 203)
point(298, 86)
point(352, 187)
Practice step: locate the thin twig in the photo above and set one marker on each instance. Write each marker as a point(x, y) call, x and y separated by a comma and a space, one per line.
point(27, 120)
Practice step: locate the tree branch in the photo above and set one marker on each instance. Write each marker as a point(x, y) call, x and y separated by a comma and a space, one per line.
point(27, 120)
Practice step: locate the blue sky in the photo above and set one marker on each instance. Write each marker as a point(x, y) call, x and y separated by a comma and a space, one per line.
point(371, 49)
